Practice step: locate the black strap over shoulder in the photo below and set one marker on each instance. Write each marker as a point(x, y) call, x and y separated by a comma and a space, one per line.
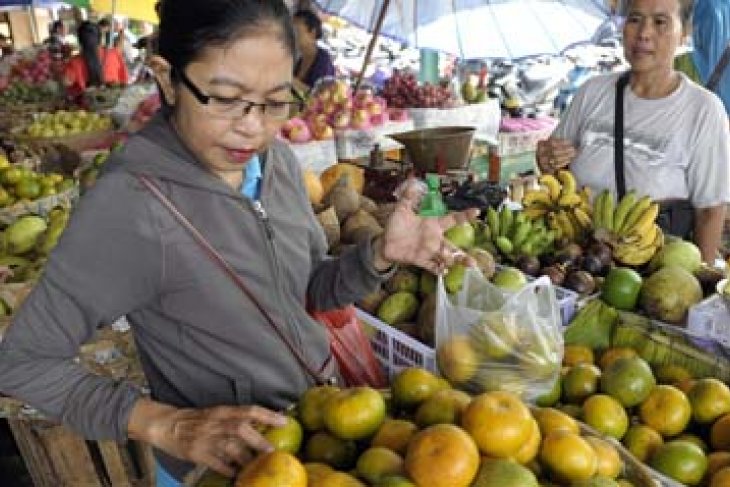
point(714, 80)
point(618, 135)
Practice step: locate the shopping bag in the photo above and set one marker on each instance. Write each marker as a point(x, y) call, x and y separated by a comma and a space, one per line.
point(488, 339)
point(351, 348)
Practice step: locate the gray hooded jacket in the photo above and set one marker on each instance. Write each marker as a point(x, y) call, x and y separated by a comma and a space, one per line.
point(201, 341)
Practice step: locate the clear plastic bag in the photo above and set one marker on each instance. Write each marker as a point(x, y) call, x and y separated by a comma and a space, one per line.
point(487, 339)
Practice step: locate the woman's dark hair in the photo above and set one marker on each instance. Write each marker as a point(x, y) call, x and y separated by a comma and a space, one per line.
point(686, 7)
point(89, 37)
point(312, 21)
point(186, 32)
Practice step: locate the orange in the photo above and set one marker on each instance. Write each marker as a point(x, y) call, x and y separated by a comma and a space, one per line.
point(580, 382)
point(339, 479)
point(606, 415)
point(316, 472)
point(642, 441)
point(720, 433)
point(666, 410)
point(621, 288)
point(671, 374)
point(499, 422)
point(716, 461)
point(395, 481)
point(354, 413)
point(629, 379)
point(443, 455)
point(568, 456)
point(28, 188)
point(413, 385)
point(444, 407)
point(683, 461)
point(721, 478)
point(553, 396)
point(322, 447)
point(609, 461)
point(550, 420)
point(612, 354)
point(311, 404)
point(577, 354)
point(685, 385)
point(710, 399)
point(395, 434)
point(693, 438)
point(286, 438)
point(276, 468)
point(378, 462)
point(530, 449)
point(501, 472)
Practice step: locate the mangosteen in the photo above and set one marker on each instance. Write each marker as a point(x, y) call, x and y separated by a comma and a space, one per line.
point(555, 272)
point(602, 251)
point(574, 250)
point(529, 264)
point(580, 282)
point(593, 265)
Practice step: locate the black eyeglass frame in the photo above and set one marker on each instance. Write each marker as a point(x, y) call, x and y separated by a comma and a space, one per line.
point(204, 99)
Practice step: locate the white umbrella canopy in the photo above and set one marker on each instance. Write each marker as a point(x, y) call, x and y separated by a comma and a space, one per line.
point(474, 29)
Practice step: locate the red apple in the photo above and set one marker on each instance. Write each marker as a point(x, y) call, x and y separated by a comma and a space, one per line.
point(360, 119)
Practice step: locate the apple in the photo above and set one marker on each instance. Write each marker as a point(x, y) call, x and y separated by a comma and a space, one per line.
point(323, 132)
point(374, 108)
point(300, 134)
point(318, 120)
point(378, 120)
point(342, 120)
point(363, 98)
point(397, 114)
point(329, 107)
point(510, 279)
point(360, 119)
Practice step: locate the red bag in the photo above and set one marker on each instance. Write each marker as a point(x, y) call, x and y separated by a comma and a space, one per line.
point(351, 348)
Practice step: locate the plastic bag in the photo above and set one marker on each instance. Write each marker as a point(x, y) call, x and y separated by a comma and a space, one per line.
point(487, 339)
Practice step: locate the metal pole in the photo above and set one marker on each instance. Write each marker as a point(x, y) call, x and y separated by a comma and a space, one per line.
point(33, 23)
point(373, 41)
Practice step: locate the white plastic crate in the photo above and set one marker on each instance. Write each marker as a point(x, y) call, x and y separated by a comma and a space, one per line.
point(396, 350)
point(710, 319)
point(354, 144)
point(316, 155)
point(485, 117)
point(514, 143)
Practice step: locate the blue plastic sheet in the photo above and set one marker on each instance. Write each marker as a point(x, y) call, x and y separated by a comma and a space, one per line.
point(711, 34)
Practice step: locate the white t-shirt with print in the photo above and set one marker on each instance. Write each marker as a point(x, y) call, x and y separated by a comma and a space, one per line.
point(677, 147)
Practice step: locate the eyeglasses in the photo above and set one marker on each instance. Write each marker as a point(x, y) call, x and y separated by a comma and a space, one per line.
point(233, 107)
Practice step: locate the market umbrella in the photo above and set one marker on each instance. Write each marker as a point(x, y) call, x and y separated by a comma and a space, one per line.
point(476, 29)
point(134, 9)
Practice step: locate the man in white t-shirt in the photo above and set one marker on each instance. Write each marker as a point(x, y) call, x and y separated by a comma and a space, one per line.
point(676, 137)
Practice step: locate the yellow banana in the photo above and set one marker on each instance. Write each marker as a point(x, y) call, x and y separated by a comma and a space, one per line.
point(632, 255)
point(534, 212)
point(586, 194)
point(552, 185)
point(634, 215)
point(566, 226)
point(555, 225)
point(647, 238)
point(569, 200)
point(608, 211)
point(567, 179)
point(598, 205)
point(646, 220)
point(535, 196)
point(623, 209)
point(583, 219)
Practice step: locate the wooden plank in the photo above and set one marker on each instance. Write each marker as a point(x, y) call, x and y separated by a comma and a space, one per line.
point(36, 460)
point(70, 456)
point(117, 463)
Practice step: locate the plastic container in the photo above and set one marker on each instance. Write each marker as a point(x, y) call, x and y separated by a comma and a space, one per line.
point(710, 319)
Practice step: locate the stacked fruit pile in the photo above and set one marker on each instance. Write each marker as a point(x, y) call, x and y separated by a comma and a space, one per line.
point(514, 235)
point(29, 80)
point(680, 426)
point(64, 123)
point(424, 433)
point(26, 243)
point(403, 91)
point(567, 210)
point(19, 184)
point(629, 228)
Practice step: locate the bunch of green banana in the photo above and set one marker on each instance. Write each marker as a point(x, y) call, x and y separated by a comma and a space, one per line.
point(513, 234)
point(567, 210)
point(629, 226)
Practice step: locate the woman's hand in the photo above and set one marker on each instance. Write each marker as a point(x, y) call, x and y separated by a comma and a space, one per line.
point(223, 438)
point(414, 240)
point(554, 154)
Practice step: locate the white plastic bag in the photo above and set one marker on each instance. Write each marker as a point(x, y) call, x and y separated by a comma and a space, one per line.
point(487, 339)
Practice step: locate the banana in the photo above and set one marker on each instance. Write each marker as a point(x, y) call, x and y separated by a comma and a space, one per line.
point(583, 219)
point(646, 220)
point(506, 219)
point(566, 226)
point(585, 194)
point(522, 231)
point(569, 200)
point(504, 245)
point(634, 215)
point(536, 196)
point(553, 186)
point(554, 226)
point(647, 238)
point(598, 205)
point(632, 255)
point(493, 221)
point(534, 212)
point(623, 209)
point(607, 211)
point(567, 180)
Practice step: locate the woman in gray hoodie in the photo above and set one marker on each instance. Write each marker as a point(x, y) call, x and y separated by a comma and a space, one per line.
point(215, 366)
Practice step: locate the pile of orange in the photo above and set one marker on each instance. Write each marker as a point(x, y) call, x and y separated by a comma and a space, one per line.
point(424, 433)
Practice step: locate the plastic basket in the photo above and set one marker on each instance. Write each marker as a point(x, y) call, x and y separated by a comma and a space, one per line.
point(394, 349)
point(42, 206)
point(710, 319)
